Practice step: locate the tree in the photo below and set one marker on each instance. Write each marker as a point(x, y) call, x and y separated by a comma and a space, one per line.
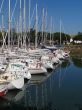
point(64, 37)
point(0, 35)
point(1, 38)
point(78, 37)
point(79, 33)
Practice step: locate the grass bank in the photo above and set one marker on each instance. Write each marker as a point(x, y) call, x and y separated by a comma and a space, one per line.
point(75, 50)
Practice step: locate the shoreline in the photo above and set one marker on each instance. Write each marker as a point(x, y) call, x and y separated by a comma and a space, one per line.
point(75, 50)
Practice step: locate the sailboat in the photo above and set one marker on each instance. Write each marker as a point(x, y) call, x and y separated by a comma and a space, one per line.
point(35, 66)
point(11, 77)
point(19, 68)
point(9, 81)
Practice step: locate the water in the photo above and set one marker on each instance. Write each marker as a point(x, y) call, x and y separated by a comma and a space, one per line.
point(59, 90)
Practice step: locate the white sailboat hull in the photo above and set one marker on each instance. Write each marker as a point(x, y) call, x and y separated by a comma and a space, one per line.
point(16, 84)
point(37, 70)
point(27, 75)
point(48, 66)
point(3, 87)
point(55, 60)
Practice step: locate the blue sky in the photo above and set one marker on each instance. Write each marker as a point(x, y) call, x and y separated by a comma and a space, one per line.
point(70, 12)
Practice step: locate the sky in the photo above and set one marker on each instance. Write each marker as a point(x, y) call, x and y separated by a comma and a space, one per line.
point(69, 11)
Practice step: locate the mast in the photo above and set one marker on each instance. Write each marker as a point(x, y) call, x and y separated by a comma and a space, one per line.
point(42, 25)
point(60, 32)
point(24, 37)
point(29, 23)
point(4, 37)
point(53, 33)
point(36, 28)
point(2, 23)
point(20, 25)
point(18, 33)
point(45, 36)
point(51, 30)
point(2, 31)
point(9, 27)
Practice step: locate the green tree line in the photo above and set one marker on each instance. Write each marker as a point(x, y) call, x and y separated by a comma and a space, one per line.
point(55, 36)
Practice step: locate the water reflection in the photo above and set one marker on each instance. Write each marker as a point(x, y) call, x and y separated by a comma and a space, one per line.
point(59, 90)
point(65, 64)
point(77, 62)
point(36, 96)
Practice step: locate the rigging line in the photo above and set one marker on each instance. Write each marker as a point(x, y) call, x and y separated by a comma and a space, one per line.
point(34, 24)
point(35, 20)
point(64, 31)
point(5, 38)
point(1, 6)
point(37, 24)
point(14, 10)
point(14, 21)
point(40, 23)
point(32, 15)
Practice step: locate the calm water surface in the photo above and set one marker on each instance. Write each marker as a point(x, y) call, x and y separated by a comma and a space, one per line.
point(59, 90)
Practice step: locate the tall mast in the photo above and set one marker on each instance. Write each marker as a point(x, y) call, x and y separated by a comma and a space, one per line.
point(2, 23)
point(9, 27)
point(24, 39)
point(60, 32)
point(20, 24)
point(42, 24)
point(45, 36)
point(51, 30)
point(36, 28)
point(18, 33)
point(29, 23)
point(2, 31)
